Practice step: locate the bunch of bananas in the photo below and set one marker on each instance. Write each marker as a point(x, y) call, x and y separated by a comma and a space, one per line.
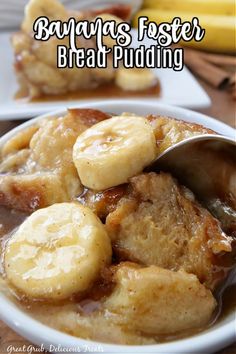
point(217, 17)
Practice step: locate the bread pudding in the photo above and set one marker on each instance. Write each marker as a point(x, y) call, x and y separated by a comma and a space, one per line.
point(37, 169)
point(96, 246)
point(39, 74)
point(147, 223)
point(36, 61)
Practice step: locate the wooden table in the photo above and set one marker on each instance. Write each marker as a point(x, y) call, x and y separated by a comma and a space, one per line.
point(223, 108)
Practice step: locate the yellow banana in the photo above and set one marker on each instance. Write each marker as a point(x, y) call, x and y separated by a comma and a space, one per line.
point(135, 79)
point(213, 7)
point(57, 252)
point(220, 30)
point(112, 151)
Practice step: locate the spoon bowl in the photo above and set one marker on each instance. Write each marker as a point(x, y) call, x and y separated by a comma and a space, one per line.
point(206, 164)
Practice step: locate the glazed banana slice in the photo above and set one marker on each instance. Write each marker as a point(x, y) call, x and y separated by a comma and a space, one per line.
point(52, 9)
point(135, 79)
point(112, 151)
point(57, 251)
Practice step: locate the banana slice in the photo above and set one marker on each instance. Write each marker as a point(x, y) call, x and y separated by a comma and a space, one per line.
point(52, 9)
point(112, 151)
point(57, 251)
point(135, 79)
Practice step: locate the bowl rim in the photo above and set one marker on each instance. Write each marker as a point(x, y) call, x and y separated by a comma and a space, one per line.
point(209, 340)
point(185, 114)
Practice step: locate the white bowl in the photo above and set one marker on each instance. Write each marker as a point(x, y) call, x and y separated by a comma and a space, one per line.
point(218, 336)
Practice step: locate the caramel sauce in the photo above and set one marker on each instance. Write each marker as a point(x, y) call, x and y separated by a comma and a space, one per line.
point(107, 90)
point(9, 219)
point(103, 202)
point(87, 116)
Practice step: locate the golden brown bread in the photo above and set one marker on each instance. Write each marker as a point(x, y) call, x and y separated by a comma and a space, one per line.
point(160, 223)
point(29, 192)
point(157, 301)
point(20, 141)
point(169, 131)
point(43, 173)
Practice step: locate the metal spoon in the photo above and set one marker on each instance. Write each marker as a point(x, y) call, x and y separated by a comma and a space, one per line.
point(206, 164)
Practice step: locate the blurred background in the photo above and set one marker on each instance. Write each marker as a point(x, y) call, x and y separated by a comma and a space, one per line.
point(12, 11)
point(217, 17)
point(212, 61)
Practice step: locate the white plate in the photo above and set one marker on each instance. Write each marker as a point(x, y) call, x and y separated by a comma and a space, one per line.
point(177, 88)
point(211, 340)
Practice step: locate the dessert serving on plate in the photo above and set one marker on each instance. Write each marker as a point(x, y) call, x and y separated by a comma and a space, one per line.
point(96, 245)
point(36, 60)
